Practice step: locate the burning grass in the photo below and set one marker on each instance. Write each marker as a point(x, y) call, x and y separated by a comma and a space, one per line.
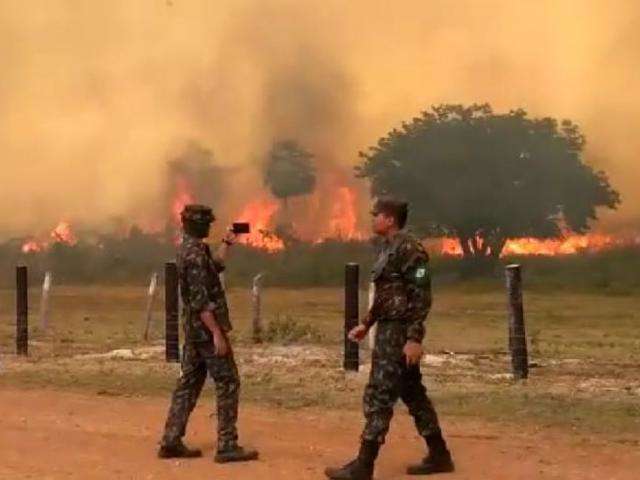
point(131, 259)
point(570, 244)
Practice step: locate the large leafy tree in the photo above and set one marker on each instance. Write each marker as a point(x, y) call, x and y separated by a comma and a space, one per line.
point(485, 177)
point(289, 170)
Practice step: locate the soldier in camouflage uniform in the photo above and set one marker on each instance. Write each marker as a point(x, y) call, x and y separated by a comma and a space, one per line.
point(401, 304)
point(206, 347)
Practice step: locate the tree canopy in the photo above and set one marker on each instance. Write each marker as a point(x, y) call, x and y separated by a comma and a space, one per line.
point(485, 177)
point(289, 170)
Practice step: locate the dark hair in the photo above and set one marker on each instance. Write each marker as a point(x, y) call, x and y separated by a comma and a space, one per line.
point(392, 207)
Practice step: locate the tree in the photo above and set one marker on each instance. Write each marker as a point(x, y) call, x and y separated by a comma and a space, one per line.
point(289, 170)
point(195, 176)
point(485, 177)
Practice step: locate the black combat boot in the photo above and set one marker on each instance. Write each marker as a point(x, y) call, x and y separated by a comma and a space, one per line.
point(234, 453)
point(439, 459)
point(178, 450)
point(359, 469)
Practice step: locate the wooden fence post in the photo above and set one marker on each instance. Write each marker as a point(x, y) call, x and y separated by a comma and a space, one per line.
point(256, 308)
point(351, 301)
point(44, 300)
point(172, 348)
point(22, 311)
point(517, 334)
point(151, 296)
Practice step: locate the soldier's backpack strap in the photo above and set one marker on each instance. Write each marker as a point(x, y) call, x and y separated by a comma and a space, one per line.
point(379, 265)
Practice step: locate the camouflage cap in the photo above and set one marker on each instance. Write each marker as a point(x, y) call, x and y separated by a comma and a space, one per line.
point(197, 214)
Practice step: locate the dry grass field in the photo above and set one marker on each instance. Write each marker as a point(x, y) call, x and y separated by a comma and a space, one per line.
point(92, 379)
point(584, 350)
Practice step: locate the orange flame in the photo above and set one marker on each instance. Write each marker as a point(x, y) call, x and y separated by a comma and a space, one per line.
point(343, 222)
point(31, 246)
point(571, 244)
point(451, 247)
point(182, 198)
point(62, 233)
point(566, 246)
point(259, 214)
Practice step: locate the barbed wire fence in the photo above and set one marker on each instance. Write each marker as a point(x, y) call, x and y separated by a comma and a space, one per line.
point(61, 333)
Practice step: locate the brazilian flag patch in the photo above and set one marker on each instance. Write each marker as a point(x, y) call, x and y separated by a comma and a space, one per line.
point(422, 275)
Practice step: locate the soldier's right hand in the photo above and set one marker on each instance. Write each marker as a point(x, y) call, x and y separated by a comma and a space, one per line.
point(221, 345)
point(230, 237)
point(358, 333)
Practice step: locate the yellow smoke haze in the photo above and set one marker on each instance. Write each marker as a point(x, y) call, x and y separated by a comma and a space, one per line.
point(95, 96)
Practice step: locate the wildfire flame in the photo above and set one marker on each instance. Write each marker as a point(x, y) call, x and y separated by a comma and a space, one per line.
point(340, 222)
point(182, 198)
point(533, 246)
point(259, 214)
point(62, 233)
point(451, 247)
point(567, 246)
point(343, 222)
point(31, 246)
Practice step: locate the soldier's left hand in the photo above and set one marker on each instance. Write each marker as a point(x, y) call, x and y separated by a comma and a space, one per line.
point(221, 344)
point(357, 333)
point(413, 352)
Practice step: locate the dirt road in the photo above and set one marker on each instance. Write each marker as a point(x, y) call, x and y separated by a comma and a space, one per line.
point(59, 435)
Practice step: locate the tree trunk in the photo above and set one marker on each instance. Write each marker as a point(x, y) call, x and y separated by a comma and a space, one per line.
point(466, 249)
point(497, 246)
point(485, 247)
point(475, 246)
point(478, 246)
point(478, 258)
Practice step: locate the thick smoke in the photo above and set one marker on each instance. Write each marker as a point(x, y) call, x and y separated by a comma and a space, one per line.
point(96, 97)
point(302, 90)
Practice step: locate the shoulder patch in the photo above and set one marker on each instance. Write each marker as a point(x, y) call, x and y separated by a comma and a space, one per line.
point(421, 275)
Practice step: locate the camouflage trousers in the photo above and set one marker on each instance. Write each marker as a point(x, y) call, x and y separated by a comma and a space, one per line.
point(391, 379)
point(197, 359)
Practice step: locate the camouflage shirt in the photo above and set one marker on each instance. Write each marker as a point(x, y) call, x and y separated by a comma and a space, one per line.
point(200, 288)
point(403, 285)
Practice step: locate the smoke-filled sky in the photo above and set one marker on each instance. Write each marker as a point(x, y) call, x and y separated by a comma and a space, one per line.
point(95, 97)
